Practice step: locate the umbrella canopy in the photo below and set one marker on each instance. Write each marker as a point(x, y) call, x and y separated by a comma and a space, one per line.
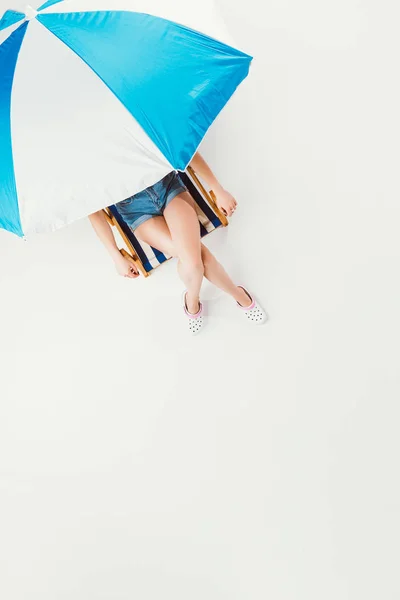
point(101, 99)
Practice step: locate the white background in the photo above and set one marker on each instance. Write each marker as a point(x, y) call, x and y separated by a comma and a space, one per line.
point(243, 464)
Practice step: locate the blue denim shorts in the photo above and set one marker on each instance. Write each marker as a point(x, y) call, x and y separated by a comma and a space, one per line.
point(152, 201)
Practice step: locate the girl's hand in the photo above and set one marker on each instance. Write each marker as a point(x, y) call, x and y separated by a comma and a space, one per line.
point(125, 267)
point(226, 202)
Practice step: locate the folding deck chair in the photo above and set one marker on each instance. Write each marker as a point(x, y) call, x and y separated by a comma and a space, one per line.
point(147, 258)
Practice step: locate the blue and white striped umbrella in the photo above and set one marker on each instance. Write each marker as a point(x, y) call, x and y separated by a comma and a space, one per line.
point(100, 99)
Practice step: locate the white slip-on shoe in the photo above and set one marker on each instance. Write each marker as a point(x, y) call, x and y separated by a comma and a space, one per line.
point(195, 322)
point(254, 313)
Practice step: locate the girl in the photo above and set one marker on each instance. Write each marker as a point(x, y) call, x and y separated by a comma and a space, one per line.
point(164, 217)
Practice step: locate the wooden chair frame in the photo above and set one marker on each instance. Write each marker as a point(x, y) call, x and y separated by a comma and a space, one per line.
point(195, 187)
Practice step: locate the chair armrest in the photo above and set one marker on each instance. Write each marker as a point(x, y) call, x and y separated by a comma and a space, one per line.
point(210, 197)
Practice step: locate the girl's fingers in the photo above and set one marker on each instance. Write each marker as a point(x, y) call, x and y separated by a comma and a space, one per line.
point(229, 210)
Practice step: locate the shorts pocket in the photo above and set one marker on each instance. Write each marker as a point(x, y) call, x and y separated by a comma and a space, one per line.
point(126, 202)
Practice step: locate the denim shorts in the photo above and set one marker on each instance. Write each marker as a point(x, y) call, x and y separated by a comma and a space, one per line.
point(152, 201)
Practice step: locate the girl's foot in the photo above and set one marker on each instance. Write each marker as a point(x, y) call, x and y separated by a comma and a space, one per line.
point(195, 321)
point(252, 310)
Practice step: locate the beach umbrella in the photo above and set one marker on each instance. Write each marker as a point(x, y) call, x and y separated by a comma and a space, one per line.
point(100, 99)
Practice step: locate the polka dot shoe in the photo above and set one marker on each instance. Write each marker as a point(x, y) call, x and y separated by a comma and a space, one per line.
point(253, 313)
point(195, 322)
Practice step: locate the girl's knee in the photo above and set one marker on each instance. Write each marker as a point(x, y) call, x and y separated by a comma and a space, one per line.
point(192, 264)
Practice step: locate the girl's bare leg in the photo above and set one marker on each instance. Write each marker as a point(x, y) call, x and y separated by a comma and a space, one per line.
point(184, 226)
point(177, 234)
point(156, 233)
point(216, 274)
